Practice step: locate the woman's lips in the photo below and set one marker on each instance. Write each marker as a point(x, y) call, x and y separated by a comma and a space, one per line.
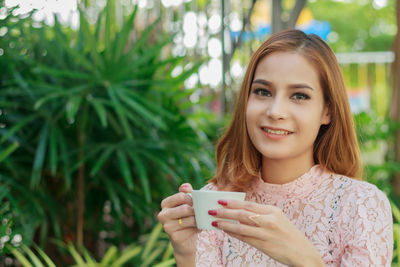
point(275, 133)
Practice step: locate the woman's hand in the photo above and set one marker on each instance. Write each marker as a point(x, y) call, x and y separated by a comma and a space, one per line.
point(177, 218)
point(269, 230)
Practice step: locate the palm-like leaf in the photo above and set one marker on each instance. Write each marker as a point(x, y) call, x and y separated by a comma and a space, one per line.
point(97, 103)
point(135, 254)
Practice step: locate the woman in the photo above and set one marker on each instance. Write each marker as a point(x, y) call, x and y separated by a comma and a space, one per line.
point(292, 148)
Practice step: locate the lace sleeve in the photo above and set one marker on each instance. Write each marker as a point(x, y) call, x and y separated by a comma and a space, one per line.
point(367, 229)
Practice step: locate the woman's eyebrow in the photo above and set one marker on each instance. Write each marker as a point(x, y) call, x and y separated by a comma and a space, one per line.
point(301, 85)
point(293, 86)
point(261, 81)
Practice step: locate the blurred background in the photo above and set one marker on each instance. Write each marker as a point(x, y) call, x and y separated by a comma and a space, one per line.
point(107, 106)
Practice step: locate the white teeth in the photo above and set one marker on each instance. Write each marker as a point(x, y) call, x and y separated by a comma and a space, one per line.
point(275, 131)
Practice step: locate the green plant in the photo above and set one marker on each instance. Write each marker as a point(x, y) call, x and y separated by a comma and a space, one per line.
point(157, 251)
point(375, 135)
point(93, 117)
point(396, 234)
point(6, 233)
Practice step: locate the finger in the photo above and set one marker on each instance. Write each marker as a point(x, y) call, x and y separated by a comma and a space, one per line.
point(256, 219)
point(177, 212)
point(176, 200)
point(186, 188)
point(247, 205)
point(243, 216)
point(241, 230)
point(175, 225)
point(188, 222)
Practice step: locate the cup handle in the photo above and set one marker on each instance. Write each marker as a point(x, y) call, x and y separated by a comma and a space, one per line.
point(189, 194)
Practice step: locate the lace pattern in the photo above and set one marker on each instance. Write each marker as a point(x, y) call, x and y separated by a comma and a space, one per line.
point(348, 221)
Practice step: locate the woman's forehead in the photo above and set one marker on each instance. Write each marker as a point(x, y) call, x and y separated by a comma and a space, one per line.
point(286, 66)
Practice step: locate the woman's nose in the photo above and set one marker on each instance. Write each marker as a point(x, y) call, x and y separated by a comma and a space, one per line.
point(277, 109)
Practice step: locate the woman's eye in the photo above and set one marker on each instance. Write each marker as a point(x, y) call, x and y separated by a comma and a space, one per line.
point(300, 96)
point(262, 92)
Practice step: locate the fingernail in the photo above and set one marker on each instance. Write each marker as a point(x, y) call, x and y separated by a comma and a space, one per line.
point(223, 202)
point(214, 223)
point(212, 212)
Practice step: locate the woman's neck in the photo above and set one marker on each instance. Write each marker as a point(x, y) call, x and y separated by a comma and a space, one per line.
point(284, 171)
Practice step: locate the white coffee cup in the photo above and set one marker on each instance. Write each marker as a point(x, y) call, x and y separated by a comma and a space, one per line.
point(205, 200)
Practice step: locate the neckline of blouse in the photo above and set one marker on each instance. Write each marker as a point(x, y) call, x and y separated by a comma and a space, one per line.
point(300, 187)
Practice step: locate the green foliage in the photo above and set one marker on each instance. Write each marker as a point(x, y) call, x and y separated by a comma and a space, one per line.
point(100, 104)
point(6, 233)
point(375, 134)
point(396, 234)
point(153, 250)
point(360, 26)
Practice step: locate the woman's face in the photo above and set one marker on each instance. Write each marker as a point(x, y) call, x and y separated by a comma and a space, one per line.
point(285, 107)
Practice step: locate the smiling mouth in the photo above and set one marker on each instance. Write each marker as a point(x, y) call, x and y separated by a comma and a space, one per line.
point(278, 132)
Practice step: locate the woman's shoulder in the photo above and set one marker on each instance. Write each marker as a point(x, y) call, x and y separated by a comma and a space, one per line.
point(357, 192)
point(356, 186)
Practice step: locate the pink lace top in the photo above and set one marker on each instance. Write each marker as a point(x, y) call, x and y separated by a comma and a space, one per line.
point(348, 221)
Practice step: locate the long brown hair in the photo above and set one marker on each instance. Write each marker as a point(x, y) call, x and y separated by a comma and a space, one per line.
point(336, 147)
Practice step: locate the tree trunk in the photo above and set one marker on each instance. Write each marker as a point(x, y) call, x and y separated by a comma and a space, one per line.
point(227, 58)
point(80, 204)
point(236, 44)
point(395, 105)
point(224, 63)
point(80, 200)
point(277, 23)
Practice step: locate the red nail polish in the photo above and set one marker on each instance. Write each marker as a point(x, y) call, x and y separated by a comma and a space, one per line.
point(223, 202)
point(212, 212)
point(214, 223)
